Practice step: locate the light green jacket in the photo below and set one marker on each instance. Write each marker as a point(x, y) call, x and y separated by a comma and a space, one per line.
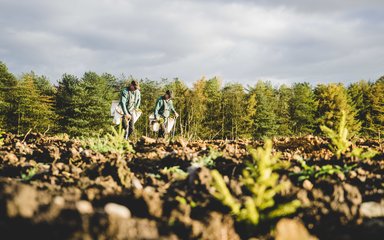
point(130, 100)
point(163, 108)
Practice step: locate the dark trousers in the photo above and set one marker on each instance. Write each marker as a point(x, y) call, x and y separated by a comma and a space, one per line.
point(131, 126)
point(162, 130)
point(163, 123)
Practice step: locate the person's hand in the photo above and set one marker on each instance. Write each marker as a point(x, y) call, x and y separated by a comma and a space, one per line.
point(176, 115)
point(127, 117)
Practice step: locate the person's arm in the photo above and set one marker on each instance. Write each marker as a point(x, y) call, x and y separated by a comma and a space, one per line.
point(138, 100)
point(123, 101)
point(157, 108)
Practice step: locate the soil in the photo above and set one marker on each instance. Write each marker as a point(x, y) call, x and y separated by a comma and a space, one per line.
point(53, 188)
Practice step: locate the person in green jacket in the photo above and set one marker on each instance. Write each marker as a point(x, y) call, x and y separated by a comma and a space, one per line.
point(130, 100)
point(163, 109)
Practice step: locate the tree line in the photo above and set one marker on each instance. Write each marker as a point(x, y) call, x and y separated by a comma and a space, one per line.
point(80, 106)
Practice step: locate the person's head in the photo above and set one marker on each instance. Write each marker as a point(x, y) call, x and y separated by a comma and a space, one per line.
point(134, 85)
point(168, 94)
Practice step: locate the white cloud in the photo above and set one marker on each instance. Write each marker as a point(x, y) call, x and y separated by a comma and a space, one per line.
point(242, 41)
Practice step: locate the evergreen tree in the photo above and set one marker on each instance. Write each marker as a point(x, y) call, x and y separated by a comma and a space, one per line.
point(332, 100)
point(213, 118)
point(68, 101)
point(34, 110)
point(197, 103)
point(302, 109)
point(43, 85)
point(233, 99)
point(94, 107)
point(283, 111)
point(265, 118)
point(249, 114)
point(377, 100)
point(361, 95)
point(8, 84)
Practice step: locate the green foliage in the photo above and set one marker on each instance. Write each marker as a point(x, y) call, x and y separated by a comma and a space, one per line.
point(262, 181)
point(198, 107)
point(110, 142)
point(265, 119)
point(368, 98)
point(284, 121)
point(80, 106)
point(1, 138)
point(232, 110)
point(333, 100)
point(339, 139)
point(8, 84)
point(314, 171)
point(208, 160)
point(302, 109)
point(84, 105)
point(174, 173)
point(341, 143)
point(30, 173)
point(212, 90)
point(34, 110)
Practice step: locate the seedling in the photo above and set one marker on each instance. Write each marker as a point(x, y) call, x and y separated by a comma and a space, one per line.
point(208, 160)
point(339, 138)
point(174, 172)
point(326, 170)
point(261, 180)
point(341, 143)
point(30, 173)
point(110, 142)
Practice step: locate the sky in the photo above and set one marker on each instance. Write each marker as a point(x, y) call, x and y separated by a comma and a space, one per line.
point(239, 41)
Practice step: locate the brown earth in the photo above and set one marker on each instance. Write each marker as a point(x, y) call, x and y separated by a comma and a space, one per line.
point(53, 188)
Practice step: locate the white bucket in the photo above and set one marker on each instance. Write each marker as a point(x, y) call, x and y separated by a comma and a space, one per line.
point(155, 125)
point(117, 113)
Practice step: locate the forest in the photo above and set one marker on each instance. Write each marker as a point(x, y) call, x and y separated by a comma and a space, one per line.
point(80, 106)
point(257, 161)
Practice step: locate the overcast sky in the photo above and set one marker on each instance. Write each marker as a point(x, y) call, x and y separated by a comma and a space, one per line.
point(239, 41)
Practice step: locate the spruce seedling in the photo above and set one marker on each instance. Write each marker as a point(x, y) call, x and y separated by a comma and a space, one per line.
point(262, 181)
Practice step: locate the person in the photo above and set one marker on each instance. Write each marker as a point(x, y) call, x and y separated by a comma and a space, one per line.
point(163, 109)
point(130, 100)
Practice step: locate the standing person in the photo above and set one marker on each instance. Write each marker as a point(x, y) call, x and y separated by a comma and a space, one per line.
point(130, 100)
point(163, 109)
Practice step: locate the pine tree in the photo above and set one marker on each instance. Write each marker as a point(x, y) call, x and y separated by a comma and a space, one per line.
point(283, 111)
point(249, 114)
point(68, 100)
point(43, 84)
point(8, 84)
point(377, 100)
point(34, 110)
point(94, 107)
point(303, 109)
point(233, 98)
point(361, 95)
point(213, 118)
point(332, 100)
point(266, 104)
point(197, 103)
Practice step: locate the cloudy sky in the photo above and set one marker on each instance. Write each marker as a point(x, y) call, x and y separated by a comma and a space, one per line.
point(239, 41)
